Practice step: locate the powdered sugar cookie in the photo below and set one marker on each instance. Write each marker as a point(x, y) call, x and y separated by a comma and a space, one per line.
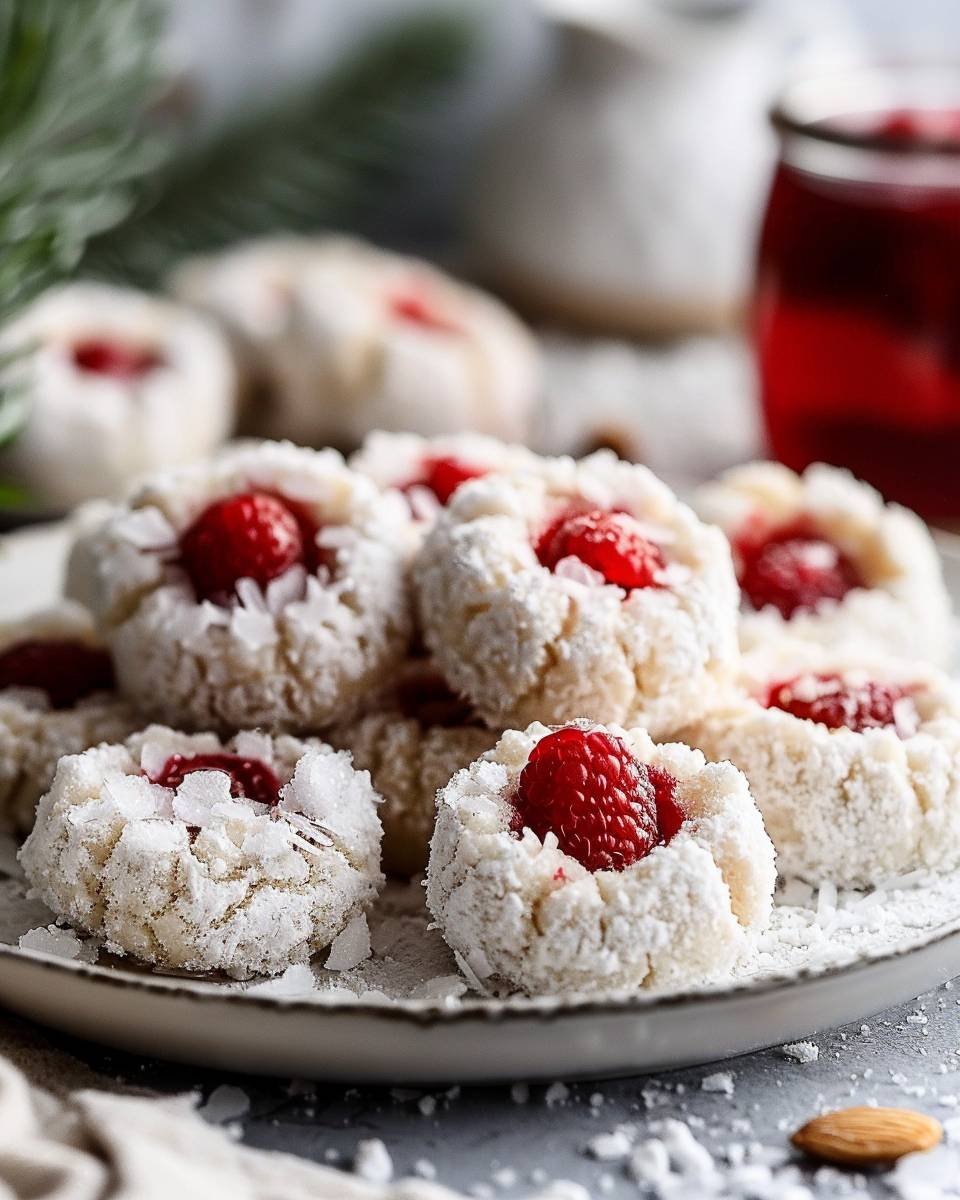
point(821, 557)
point(197, 855)
point(854, 761)
point(578, 588)
point(351, 338)
point(589, 859)
point(429, 470)
point(417, 738)
point(117, 383)
point(56, 697)
point(264, 588)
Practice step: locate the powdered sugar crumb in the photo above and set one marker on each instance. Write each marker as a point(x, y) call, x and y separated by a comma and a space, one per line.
point(720, 1081)
point(372, 1161)
point(801, 1052)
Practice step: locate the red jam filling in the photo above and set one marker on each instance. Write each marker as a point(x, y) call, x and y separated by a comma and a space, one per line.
point(610, 543)
point(833, 701)
point(66, 671)
point(116, 359)
point(443, 474)
point(414, 307)
point(794, 569)
point(253, 535)
point(250, 779)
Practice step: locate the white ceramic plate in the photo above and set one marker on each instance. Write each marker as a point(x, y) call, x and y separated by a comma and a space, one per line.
point(421, 1041)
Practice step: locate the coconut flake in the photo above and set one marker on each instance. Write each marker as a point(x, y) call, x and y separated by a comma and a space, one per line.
point(576, 571)
point(199, 794)
point(285, 589)
point(255, 627)
point(62, 943)
point(147, 529)
point(351, 946)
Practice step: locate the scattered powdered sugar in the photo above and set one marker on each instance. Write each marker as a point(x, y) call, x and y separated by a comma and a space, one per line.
point(801, 1052)
point(608, 1147)
point(297, 982)
point(409, 961)
point(556, 1094)
point(922, 1176)
point(372, 1161)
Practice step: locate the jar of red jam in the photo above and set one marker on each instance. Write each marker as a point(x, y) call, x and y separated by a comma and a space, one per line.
point(857, 315)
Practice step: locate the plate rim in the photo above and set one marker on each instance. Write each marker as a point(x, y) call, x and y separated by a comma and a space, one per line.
point(427, 1012)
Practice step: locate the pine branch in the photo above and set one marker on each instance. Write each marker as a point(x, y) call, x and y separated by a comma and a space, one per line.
point(73, 76)
point(320, 157)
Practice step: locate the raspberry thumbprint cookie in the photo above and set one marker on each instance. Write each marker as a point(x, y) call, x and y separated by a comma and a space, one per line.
point(418, 737)
point(266, 587)
point(821, 557)
point(57, 696)
point(354, 338)
point(191, 854)
point(585, 859)
point(578, 588)
point(117, 383)
point(854, 761)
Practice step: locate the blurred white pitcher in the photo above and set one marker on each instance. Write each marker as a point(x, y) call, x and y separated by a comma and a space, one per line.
point(626, 194)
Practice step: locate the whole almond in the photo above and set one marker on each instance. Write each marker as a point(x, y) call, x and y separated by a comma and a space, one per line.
point(863, 1137)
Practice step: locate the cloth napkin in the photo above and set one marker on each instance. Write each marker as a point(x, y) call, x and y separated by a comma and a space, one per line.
point(69, 1134)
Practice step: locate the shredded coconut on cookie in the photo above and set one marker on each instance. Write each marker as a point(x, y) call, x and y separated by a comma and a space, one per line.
point(589, 859)
point(578, 588)
point(430, 470)
point(193, 854)
point(266, 587)
point(854, 761)
point(821, 557)
point(57, 697)
point(417, 737)
point(350, 338)
point(118, 383)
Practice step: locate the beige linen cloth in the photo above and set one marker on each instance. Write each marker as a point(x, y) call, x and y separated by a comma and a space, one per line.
point(67, 1133)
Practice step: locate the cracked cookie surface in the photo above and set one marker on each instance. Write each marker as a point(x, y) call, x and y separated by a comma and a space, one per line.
point(196, 876)
point(518, 910)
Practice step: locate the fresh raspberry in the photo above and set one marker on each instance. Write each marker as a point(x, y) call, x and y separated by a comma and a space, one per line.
point(67, 671)
point(600, 801)
point(609, 542)
point(250, 778)
point(414, 307)
point(427, 698)
point(443, 475)
point(794, 569)
point(249, 536)
point(670, 814)
point(835, 702)
point(121, 361)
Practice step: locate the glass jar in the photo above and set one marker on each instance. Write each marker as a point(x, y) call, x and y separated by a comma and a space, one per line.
point(857, 312)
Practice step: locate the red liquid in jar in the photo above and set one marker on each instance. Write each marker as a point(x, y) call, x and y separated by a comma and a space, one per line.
point(858, 318)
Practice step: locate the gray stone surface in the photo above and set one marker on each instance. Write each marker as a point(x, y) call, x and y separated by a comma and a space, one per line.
point(908, 1057)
